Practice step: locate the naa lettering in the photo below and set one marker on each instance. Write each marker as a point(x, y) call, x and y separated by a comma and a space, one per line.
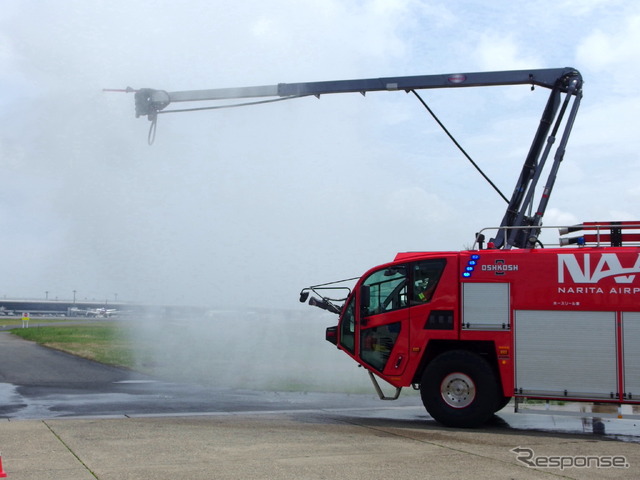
point(592, 270)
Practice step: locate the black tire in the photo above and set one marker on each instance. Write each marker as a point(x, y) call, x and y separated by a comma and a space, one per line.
point(459, 389)
point(502, 401)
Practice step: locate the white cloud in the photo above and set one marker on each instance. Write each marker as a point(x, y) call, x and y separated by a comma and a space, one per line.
point(415, 204)
point(555, 216)
point(613, 48)
point(502, 52)
point(586, 7)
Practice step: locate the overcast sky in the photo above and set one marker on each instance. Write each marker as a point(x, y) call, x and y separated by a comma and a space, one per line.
point(244, 207)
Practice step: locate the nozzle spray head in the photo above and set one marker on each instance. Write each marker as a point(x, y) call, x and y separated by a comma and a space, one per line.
point(149, 102)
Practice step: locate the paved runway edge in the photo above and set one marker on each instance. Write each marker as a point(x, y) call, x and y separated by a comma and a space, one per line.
point(289, 445)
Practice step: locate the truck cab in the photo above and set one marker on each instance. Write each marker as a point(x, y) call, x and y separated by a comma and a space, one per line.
point(391, 300)
point(401, 316)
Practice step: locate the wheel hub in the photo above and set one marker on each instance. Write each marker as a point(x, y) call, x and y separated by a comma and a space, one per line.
point(458, 390)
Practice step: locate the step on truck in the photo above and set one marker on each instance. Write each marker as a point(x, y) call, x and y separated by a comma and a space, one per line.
point(509, 318)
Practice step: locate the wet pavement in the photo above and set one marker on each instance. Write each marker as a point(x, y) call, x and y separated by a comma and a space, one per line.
point(65, 417)
point(39, 383)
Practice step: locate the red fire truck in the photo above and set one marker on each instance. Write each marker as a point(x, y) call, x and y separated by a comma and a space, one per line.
point(473, 329)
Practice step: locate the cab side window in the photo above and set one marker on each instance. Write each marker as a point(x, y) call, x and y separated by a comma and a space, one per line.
point(425, 276)
point(387, 290)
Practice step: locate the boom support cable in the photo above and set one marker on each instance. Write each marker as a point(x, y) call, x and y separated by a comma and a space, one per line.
point(459, 146)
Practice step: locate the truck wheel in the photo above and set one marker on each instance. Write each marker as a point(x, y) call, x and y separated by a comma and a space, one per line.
point(502, 402)
point(459, 389)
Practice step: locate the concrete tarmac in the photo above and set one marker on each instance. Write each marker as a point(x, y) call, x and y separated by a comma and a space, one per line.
point(298, 445)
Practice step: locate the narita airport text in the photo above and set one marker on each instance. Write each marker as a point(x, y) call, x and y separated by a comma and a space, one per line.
point(599, 290)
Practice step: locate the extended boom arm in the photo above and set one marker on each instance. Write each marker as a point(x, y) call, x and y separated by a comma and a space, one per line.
point(519, 219)
point(150, 102)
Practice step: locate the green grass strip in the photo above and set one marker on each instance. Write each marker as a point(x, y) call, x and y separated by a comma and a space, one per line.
point(103, 343)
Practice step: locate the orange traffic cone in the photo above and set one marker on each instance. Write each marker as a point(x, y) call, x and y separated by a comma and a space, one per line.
point(2, 472)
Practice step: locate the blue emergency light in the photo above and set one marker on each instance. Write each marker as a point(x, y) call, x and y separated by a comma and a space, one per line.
point(471, 265)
